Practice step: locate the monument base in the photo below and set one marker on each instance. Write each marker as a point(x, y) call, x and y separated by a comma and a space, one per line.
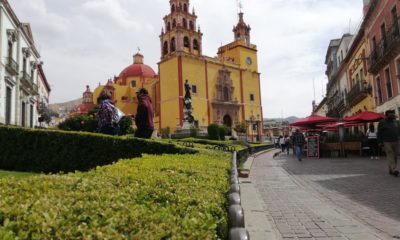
point(188, 130)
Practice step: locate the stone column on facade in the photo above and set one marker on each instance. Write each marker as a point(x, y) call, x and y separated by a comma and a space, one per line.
point(18, 101)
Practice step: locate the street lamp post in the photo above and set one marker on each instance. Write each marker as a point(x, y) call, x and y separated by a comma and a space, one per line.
point(252, 127)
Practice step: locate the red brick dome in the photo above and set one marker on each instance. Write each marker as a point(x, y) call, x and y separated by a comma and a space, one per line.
point(137, 69)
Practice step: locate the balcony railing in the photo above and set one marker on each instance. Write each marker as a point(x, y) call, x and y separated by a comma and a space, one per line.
point(28, 84)
point(387, 48)
point(34, 89)
point(359, 92)
point(11, 66)
point(26, 80)
point(336, 105)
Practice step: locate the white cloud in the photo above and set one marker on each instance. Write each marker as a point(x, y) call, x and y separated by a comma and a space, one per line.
point(87, 41)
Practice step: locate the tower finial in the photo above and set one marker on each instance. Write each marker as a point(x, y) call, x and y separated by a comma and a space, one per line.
point(240, 6)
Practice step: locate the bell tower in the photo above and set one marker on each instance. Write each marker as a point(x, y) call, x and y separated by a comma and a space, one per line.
point(242, 31)
point(179, 34)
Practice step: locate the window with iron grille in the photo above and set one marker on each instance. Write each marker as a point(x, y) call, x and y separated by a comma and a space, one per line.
point(378, 83)
point(388, 83)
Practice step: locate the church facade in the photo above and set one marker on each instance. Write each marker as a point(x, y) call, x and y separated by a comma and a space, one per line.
point(225, 89)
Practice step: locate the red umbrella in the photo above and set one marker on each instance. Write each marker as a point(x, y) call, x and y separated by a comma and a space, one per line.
point(335, 126)
point(365, 117)
point(312, 121)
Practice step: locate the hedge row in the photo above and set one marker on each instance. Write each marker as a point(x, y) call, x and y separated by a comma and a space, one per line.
point(163, 197)
point(55, 151)
point(237, 144)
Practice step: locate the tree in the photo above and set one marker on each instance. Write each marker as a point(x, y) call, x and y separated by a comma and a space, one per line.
point(213, 131)
point(45, 113)
point(82, 123)
point(241, 127)
point(125, 125)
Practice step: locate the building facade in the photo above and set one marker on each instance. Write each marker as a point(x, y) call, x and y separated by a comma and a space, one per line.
point(225, 89)
point(21, 72)
point(274, 128)
point(320, 109)
point(123, 87)
point(337, 87)
point(360, 81)
point(382, 26)
point(87, 104)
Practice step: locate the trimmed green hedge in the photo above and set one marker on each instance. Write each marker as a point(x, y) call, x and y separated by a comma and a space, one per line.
point(162, 197)
point(54, 151)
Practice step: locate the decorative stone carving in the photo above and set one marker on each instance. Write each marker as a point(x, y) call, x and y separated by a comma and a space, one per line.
point(225, 104)
point(12, 35)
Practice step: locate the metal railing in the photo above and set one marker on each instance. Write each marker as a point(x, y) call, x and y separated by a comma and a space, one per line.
point(26, 80)
point(359, 91)
point(388, 46)
point(34, 89)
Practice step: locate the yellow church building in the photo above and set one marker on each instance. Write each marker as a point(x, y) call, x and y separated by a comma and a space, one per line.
point(225, 89)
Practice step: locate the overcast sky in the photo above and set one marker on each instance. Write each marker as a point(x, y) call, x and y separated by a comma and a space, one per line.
point(84, 42)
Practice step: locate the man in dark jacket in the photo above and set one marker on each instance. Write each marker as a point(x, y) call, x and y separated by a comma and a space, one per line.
point(388, 135)
point(298, 142)
point(144, 115)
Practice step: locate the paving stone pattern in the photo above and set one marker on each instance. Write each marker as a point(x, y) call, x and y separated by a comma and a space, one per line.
point(351, 198)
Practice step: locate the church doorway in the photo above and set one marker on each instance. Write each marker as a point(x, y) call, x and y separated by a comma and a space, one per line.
point(228, 124)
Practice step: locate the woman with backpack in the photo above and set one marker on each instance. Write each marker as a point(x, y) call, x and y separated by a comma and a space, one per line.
point(107, 115)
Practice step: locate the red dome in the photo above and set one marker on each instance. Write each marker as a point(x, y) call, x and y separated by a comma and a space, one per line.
point(137, 70)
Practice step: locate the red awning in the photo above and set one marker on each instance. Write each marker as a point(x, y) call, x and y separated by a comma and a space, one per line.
point(365, 117)
point(312, 121)
point(335, 126)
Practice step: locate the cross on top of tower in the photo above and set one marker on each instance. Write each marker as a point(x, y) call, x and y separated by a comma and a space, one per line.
point(240, 5)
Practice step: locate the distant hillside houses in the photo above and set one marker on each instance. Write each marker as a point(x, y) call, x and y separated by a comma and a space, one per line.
point(278, 127)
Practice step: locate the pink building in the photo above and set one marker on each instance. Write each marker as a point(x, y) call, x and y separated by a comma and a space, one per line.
point(382, 26)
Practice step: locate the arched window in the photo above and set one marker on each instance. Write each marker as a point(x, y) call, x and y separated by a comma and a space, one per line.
point(168, 26)
point(186, 42)
point(185, 7)
point(173, 8)
point(173, 48)
point(191, 25)
point(165, 48)
point(195, 44)
point(226, 94)
point(184, 23)
point(174, 23)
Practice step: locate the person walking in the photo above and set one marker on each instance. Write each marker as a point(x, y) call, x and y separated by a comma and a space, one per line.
point(388, 135)
point(372, 141)
point(106, 116)
point(144, 116)
point(287, 144)
point(282, 143)
point(298, 142)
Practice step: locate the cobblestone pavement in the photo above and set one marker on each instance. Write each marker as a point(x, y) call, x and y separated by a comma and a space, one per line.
point(351, 198)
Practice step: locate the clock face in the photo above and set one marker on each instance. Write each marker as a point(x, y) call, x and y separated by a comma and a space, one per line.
point(249, 61)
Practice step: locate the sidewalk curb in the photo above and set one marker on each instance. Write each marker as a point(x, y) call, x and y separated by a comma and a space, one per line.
point(256, 216)
point(249, 161)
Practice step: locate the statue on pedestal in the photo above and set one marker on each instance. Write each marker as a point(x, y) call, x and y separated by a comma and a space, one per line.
point(187, 101)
